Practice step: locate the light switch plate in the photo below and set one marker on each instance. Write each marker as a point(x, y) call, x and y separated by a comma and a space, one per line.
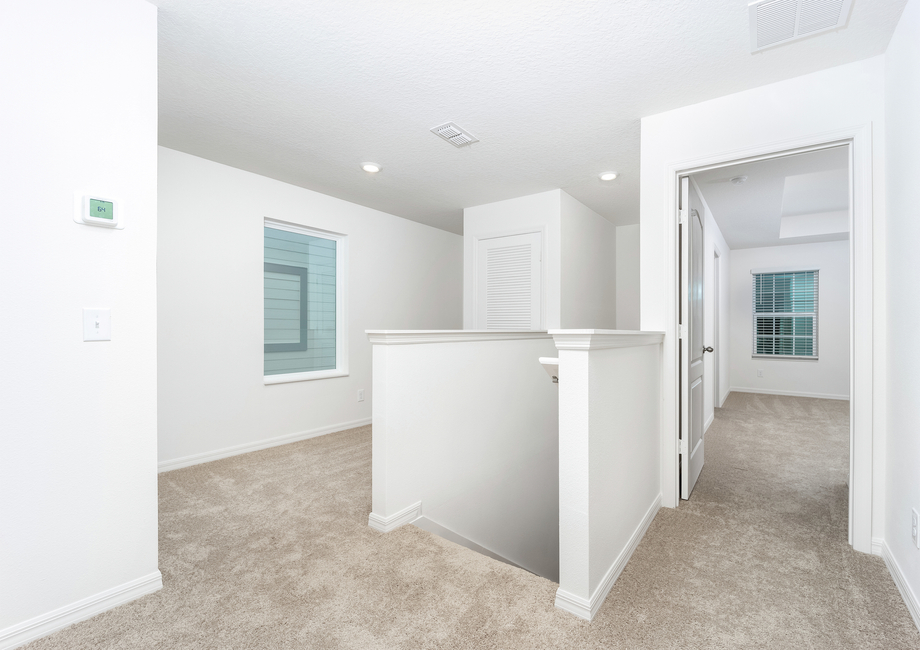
point(97, 324)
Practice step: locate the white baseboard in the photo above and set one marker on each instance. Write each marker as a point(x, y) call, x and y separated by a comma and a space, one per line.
point(910, 598)
point(877, 544)
point(790, 393)
point(394, 521)
point(708, 423)
point(587, 608)
point(226, 452)
point(58, 619)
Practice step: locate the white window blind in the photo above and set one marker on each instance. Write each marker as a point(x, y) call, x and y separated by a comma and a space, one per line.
point(300, 302)
point(785, 307)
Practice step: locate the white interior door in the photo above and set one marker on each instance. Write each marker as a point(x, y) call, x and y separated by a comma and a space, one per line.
point(509, 283)
point(691, 341)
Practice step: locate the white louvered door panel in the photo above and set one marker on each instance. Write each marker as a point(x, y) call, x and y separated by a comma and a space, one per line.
point(510, 283)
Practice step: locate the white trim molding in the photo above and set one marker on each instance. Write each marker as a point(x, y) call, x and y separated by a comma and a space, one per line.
point(603, 339)
point(413, 337)
point(405, 516)
point(587, 608)
point(236, 450)
point(877, 544)
point(910, 598)
point(789, 393)
point(58, 619)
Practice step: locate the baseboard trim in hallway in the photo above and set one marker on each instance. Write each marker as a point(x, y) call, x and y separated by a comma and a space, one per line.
point(58, 619)
point(405, 516)
point(587, 609)
point(910, 598)
point(236, 450)
point(787, 393)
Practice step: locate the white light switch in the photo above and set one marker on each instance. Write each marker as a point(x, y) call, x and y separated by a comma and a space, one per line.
point(97, 324)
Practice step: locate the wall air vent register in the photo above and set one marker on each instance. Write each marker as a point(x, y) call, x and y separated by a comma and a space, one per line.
point(774, 22)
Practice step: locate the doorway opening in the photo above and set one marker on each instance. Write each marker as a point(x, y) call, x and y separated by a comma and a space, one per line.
point(756, 312)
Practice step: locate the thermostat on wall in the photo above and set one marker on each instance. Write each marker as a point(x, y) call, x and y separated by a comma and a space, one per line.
point(96, 210)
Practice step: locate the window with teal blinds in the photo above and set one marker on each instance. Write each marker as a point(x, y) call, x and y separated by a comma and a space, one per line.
point(786, 314)
point(300, 309)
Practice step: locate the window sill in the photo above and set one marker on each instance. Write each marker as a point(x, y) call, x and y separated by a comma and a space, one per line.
point(303, 376)
point(787, 357)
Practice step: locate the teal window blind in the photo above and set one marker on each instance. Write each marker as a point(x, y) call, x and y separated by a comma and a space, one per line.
point(300, 307)
point(786, 314)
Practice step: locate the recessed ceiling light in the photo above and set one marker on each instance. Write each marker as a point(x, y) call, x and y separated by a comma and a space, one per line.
point(738, 180)
point(608, 176)
point(371, 168)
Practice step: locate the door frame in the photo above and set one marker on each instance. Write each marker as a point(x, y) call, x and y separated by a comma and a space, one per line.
point(859, 139)
point(716, 329)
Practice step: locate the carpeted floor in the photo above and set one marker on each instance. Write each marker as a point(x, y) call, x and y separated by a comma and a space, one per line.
point(272, 550)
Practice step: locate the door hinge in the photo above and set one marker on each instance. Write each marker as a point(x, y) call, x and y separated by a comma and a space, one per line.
point(680, 446)
point(681, 331)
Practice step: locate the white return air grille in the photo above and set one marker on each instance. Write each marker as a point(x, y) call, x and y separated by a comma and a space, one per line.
point(508, 286)
point(454, 134)
point(780, 21)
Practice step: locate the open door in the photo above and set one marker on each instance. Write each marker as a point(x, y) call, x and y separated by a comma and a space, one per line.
point(691, 337)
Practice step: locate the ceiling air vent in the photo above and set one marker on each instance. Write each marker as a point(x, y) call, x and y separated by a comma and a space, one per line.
point(780, 21)
point(454, 134)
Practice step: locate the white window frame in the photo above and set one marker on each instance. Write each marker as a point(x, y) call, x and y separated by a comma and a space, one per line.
point(341, 304)
point(755, 314)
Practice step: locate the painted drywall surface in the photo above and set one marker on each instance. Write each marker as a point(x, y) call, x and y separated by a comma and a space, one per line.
point(401, 275)
point(829, 376)
point(532, 213)
point(608, 457)
point(624, 439)
point(589, 283)
point(713, 244)
point(837, 98)
point(470, 429)
point(78, 492)
point(902, 96)
point(628, 277)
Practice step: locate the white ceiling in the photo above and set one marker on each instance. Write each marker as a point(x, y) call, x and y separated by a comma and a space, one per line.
point(304, 91)
point(750, 214)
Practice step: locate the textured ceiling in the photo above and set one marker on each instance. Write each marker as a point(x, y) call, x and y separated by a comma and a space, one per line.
point(749, 214)
point(305, 91)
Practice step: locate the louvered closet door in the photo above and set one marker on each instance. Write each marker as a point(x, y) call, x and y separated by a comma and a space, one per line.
point(510, 283)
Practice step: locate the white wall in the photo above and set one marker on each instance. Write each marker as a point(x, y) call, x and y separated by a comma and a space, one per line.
point(628, 277)
point(579, 256)
point(401, 275)
point(78, 491)
point(470, 430)
point(609, 484)
point(589, 267)
point(902, 96)
point(765, 118)
point(829, 376)
point(536, 212)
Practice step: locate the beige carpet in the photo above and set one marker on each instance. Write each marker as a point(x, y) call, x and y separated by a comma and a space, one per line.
point(272, 550)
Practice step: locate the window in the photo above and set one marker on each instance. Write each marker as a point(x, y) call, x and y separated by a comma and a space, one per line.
point(304, 304)
point(786, 314)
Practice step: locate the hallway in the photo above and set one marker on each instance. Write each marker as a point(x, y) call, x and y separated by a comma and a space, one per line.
point(272, 550)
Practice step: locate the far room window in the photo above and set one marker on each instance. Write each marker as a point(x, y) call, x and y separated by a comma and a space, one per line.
point(786, 314)
point(304, 322)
